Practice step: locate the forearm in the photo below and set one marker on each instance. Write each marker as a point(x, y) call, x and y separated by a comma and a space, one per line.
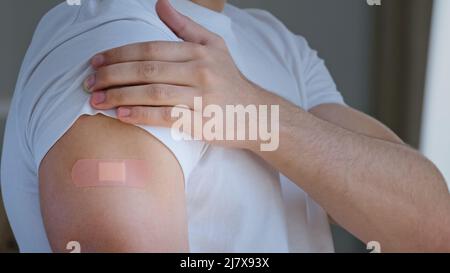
point(378, 190)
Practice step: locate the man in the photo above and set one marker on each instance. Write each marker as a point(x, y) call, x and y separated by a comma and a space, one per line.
point(146, 65)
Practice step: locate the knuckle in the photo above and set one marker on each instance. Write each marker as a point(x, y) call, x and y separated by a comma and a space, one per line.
point(147, 69)
point(156, 93)
point(149, 49)
point(205, 74)
point(116, 96)
point(200, 51)
point(141, 114)
point(147, 115)
point(166, 114)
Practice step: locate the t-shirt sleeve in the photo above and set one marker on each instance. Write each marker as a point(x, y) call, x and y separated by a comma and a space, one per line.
point(50, 84)
point(318, 84)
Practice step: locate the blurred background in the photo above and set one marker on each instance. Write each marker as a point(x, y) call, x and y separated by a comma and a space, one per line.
point(390, 61)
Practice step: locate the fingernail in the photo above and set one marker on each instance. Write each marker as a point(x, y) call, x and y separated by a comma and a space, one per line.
point(123, 112)
point(98, 60)
point(89, 83)
point(98, 97)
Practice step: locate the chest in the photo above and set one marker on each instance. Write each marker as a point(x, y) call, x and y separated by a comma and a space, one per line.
point(266, 66)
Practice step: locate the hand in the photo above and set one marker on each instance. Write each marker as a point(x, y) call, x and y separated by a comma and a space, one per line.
point(146, 81)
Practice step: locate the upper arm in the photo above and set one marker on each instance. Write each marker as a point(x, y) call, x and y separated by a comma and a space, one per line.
point(354, 121)
point(113, 219)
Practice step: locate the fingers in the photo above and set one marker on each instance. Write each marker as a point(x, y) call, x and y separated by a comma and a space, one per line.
point(144, 95)
point(141, 73)
point(149, 51)
point(153, 116)
point(162, 117)
point(185, 28)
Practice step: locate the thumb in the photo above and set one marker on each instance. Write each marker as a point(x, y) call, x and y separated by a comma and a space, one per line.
point(183, 27)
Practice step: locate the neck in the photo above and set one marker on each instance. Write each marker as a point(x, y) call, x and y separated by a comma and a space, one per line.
point(216, 5)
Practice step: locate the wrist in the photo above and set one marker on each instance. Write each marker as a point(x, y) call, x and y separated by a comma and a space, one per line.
point(281, 120)
point(266, 121)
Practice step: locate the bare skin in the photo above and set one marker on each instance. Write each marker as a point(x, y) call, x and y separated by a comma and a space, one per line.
point(360, 172)
point(113, 219)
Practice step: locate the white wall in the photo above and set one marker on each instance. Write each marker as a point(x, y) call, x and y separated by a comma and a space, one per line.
point(435, 142)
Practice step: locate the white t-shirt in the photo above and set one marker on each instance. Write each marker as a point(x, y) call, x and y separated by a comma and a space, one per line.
point(236, 202)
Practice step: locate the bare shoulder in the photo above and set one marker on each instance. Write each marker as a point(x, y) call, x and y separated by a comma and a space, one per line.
point(113, 219)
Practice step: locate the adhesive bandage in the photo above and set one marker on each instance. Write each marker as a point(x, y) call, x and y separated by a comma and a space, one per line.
point(112, 173)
